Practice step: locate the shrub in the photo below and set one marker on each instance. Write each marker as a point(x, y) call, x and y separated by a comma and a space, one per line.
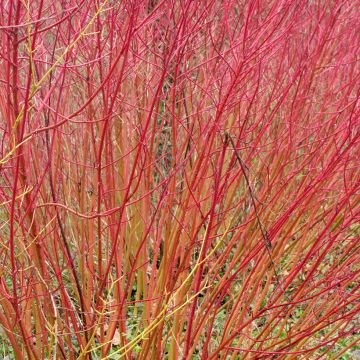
point(179, 179)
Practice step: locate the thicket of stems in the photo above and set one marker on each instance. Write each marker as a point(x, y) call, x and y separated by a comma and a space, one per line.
point(179, 179)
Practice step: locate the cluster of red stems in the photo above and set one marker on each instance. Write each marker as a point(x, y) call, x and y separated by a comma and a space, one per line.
point(179, 179)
